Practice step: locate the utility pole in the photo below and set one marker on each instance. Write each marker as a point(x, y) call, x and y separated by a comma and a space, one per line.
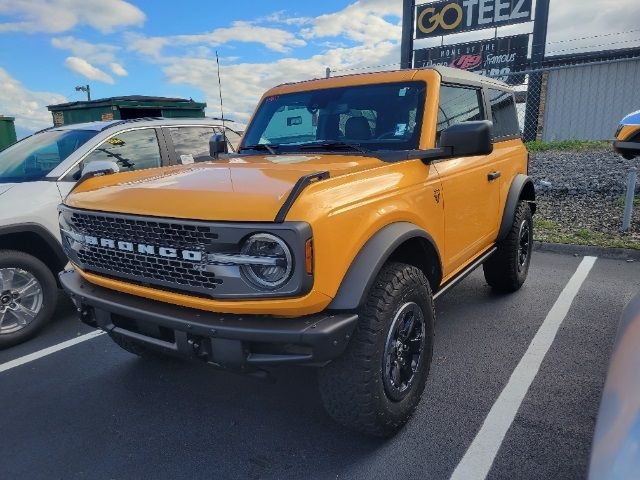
point(85, 88)
point(406, 47)
point(535, 79)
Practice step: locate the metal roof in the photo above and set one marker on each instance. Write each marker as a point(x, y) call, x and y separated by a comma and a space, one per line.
point(448, 74)
point(142, 122)
point(167, 102)
point(455, 75)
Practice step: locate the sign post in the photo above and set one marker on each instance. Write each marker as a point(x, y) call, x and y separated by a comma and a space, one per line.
point(535, 79)
point(406, 47)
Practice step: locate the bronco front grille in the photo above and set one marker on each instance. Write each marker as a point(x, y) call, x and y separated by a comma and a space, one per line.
point(173, 273)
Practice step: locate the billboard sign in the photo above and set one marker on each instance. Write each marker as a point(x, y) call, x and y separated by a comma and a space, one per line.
point(496, 57)
point(455, 16)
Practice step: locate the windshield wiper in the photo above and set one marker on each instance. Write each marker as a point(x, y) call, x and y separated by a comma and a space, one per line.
point(333, 146)
point(271, 148)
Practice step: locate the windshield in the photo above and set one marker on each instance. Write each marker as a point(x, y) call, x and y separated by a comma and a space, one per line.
point(34, 157)
point(371, 117)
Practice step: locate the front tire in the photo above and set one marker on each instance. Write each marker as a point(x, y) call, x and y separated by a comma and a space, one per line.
point(375, 386)
point(507, 269)
point(28, 297)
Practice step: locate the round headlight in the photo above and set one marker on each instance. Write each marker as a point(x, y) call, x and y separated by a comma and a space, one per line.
point(272, 266)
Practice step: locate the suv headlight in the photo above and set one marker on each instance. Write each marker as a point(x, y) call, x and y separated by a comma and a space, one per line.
point(264, 260)
point(271, 264)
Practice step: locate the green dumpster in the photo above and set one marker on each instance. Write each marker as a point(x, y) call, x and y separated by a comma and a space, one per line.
point(7, 132)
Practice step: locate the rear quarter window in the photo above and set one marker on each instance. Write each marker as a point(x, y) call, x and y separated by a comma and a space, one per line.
point(504, 114)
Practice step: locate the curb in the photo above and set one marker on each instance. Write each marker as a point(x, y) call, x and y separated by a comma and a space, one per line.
point(582, 250)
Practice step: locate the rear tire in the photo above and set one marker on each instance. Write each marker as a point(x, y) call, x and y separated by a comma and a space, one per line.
point(507, 269)
point(375, 386)
point(28, 297)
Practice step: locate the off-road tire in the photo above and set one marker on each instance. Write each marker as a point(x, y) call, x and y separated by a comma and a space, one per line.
point(136, 348)
point(503, 271)
point(352, 386)
point(29, 263)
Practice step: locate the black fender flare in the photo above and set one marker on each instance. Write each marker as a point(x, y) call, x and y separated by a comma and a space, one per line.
point(369, 261)
point(42, 233)
point(521, 184)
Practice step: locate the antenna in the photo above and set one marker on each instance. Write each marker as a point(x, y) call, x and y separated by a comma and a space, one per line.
point(224, 130)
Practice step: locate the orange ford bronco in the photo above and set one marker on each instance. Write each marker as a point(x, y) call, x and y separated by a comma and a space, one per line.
point(352, 204)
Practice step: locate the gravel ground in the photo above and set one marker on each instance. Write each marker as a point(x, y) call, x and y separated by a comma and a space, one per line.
point(581, 197)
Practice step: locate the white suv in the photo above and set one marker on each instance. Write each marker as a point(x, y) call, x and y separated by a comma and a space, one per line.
point(39, 171)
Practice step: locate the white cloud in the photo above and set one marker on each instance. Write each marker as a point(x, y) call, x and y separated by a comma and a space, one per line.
point(148, 46)
point(274, 39)
point(56, 16)
point(283, 17)
point(101, 53)
point(118, 69)
point(84, 68)
point(363, 21)
point(29, 107)
point(244, 83)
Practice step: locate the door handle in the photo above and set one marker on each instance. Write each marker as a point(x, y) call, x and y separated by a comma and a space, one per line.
point(491, 176)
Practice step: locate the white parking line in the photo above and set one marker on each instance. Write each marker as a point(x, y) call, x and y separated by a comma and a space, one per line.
point(480, 455)
point(48, 351)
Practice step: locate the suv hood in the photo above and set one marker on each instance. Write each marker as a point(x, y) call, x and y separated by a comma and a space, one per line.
point(5, 187)
point(251, 188)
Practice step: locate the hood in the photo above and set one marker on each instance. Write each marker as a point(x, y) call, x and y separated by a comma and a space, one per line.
point(249, 188)
point(4, 187)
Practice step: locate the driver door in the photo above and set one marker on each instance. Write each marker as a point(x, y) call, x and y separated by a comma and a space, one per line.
point(471, 194)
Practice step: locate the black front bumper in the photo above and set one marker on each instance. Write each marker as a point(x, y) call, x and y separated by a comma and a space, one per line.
point(231, 341)
point(627, 149)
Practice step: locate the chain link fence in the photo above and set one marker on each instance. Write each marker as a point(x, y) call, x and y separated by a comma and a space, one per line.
point(581, 100)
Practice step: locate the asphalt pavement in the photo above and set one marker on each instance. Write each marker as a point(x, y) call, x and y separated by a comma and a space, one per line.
point(93, 411)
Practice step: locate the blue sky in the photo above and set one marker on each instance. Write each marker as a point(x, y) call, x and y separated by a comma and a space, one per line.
point(124, 47)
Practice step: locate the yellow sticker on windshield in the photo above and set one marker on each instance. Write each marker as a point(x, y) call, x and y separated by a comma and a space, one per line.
point(115, 141)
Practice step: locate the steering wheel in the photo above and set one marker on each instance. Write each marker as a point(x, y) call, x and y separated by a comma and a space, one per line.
point(390, 133)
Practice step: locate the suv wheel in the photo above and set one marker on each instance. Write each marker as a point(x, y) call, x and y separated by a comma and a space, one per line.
point(377, 384)
point(28, 295)
point(507, 269)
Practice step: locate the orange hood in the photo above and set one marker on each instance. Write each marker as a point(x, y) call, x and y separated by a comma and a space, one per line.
point(249, 188)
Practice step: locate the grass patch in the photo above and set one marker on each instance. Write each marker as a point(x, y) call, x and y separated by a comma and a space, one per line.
point(620, 201)
point(550, 231)
point(576, 145)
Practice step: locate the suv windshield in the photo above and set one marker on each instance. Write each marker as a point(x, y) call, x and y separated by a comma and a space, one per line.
point(34, 157)
point(370, 117)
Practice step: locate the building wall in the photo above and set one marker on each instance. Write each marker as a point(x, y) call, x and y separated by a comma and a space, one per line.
point(587, 102)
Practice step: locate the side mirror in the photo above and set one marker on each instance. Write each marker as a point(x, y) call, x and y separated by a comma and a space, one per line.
point(217, 145)
point(467, 139)
point(99, 167)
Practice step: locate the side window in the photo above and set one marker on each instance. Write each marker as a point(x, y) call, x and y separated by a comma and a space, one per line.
point(503, 111)
point(457, 105)
point(191, 143)
point(134, 150)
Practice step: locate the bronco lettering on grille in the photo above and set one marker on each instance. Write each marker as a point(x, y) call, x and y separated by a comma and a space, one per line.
point(167, 252)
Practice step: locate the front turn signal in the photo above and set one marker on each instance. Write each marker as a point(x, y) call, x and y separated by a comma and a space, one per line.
point(308, 256)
